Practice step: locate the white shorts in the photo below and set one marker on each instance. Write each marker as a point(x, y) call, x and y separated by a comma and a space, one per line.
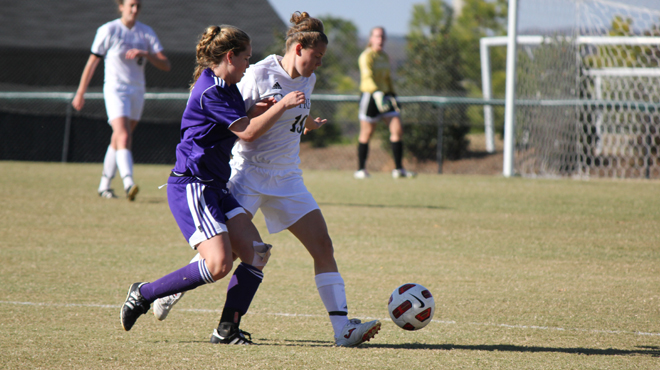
point(280, 194)
point(123, 101)
point(368, 111)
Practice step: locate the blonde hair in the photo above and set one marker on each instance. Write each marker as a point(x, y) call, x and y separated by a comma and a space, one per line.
point(215, 43)
point(306, 31)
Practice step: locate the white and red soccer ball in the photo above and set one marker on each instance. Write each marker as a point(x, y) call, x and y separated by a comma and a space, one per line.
point(411, 306)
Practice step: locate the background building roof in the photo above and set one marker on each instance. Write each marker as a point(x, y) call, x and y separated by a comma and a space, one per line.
point(72, 24)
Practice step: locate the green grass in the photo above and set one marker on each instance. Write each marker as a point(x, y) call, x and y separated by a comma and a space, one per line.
point(526, 274)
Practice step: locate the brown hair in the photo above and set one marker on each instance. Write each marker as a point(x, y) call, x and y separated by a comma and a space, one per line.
point(306, 30)
point(215, 42)
point(121, 2)
point(372, 32)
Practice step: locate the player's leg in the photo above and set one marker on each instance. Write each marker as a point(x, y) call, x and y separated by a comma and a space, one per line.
point(196, 209)
point(368, 116)
point(215, 263)
point(163, 306)
point(109, 170)
point(366, 131)
point(312, 232)
point(243, 286)
point(122, 138)
point(124, 107)
point(396, 141)
point(136, 99)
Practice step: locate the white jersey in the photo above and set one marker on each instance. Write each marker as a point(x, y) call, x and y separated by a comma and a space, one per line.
point(279, 147)
point(113, 40)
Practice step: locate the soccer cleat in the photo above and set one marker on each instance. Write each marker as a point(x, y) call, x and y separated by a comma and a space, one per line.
point(108, 194)
point(361, 174)
point(355, 333)
point(162, 306)
point(232, 335)
point(134, 306)
point(402, 174)
point(131, 192)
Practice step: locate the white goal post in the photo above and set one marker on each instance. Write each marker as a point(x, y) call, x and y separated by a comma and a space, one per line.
point(582, 92)
point(586, 98)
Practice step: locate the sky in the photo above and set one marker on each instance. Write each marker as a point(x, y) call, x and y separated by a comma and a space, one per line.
point(394, 15)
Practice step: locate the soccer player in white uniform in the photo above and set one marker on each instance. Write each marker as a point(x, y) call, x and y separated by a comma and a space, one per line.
point(124, 45)
point(265, 173)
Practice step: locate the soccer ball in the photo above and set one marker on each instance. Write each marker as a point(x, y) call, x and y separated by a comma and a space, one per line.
point(411, 306)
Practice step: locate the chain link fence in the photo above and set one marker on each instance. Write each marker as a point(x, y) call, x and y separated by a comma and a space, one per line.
point(41, 67)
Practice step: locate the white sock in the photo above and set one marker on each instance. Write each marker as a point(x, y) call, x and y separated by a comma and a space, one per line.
point(109, 169)
point(332, 292)
point(125, 165)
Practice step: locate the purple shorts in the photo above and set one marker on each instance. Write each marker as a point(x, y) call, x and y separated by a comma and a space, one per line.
point(200, 209)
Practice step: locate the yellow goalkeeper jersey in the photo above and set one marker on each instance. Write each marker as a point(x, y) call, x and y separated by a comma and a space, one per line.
point(375, 72)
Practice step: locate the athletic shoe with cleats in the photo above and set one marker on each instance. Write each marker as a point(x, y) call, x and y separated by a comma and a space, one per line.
point(355, 333)
point(162, 306)
point(402, 174)
point(232, 335)
point(361, 174)
point(131, 192)
point(134, 306)
point(108, 194)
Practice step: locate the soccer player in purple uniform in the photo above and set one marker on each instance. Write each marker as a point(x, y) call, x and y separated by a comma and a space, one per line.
point(124, 44)
point(266, 177)
point(214, 118)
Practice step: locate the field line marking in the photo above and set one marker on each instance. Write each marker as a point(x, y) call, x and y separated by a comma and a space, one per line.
point(443, 322)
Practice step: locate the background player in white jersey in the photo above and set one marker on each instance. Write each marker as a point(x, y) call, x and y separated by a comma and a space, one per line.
point(124, 44)
point(265, 173)
point(378, 103)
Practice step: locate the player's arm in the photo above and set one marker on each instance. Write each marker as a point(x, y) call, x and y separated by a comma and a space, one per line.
point(261, 107)
point(388, 81)
point(79, 99)
point(366, 63)
point(159, 60)
point(251, 129)
point(314, 124)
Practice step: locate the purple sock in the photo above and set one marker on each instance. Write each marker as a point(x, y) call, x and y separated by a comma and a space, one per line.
point(242, 288)
point(181, 280)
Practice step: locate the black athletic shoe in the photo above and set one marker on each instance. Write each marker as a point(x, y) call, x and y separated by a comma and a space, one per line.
point(134, 306)
point(230, 334)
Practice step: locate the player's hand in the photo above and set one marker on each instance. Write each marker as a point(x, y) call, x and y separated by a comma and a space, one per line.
point(135, 53)
point(78, 102)
point(314, 124)
point(293, 99)
point(261, 106)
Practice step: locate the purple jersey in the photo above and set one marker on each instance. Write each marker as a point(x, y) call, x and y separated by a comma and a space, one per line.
point(206, 141)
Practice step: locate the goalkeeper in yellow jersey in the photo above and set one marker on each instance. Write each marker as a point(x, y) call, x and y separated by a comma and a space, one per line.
point(378, 102)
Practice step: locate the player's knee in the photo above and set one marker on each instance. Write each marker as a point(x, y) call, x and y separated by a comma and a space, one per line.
point(121, 139)
point(219, 267)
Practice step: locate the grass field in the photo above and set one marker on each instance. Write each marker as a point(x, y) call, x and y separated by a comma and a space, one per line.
point(526, 274)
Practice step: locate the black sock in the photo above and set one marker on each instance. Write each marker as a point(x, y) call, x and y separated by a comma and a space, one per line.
point(363, 150)
point(397, 152)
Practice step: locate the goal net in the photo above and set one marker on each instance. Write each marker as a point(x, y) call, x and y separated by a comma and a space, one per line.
point(588, 94)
